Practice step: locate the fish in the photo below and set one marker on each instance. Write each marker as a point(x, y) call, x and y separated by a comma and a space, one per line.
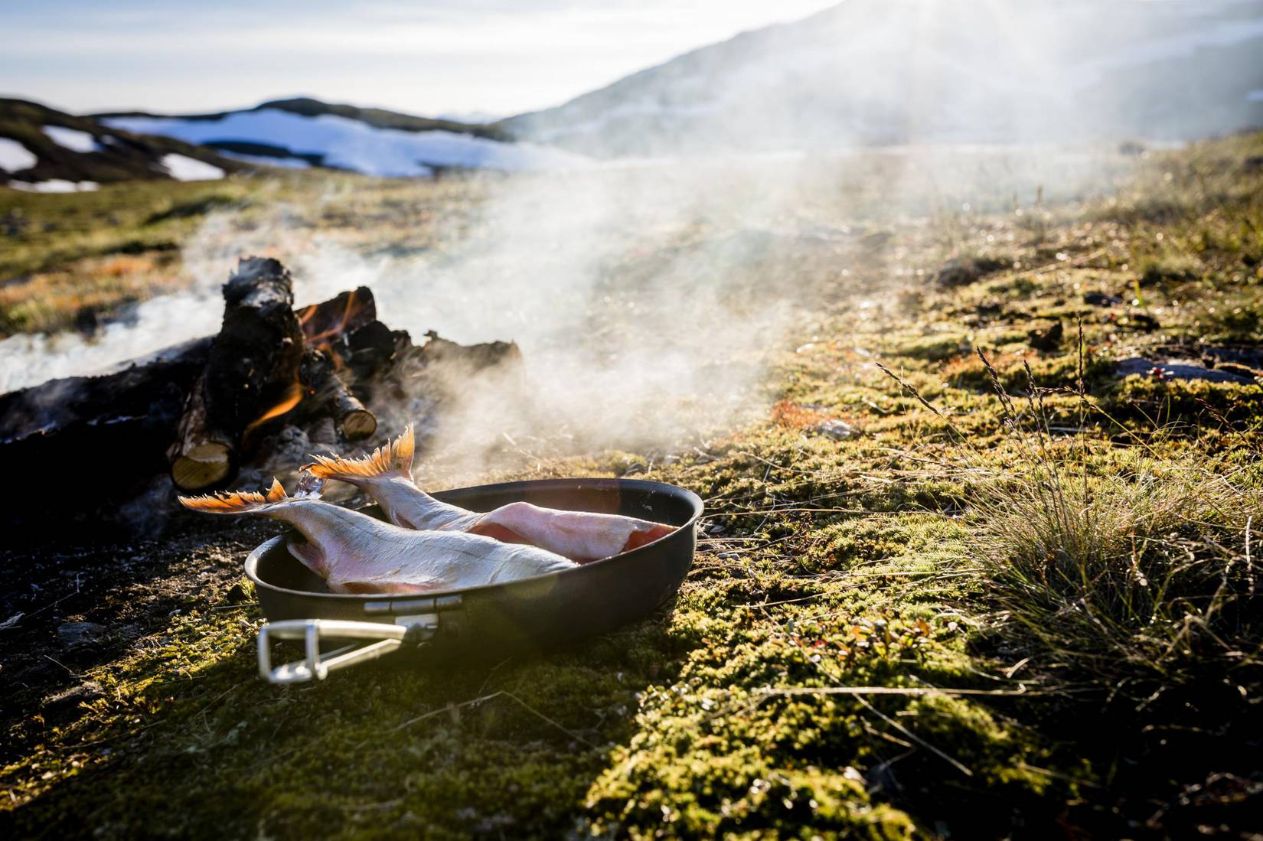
point(581, 536)
point(356, 553)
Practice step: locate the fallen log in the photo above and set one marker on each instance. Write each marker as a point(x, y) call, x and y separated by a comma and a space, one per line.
point(82, 447)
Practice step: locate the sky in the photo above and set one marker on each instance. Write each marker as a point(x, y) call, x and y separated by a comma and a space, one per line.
point(448, 57)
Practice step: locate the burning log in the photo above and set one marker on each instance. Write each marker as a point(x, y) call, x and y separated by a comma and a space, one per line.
point(324, 324)
point(325, 387)
point(200, 457)
point(252, 371)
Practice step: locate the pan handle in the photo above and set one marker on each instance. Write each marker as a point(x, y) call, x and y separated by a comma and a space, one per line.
point(384, 639)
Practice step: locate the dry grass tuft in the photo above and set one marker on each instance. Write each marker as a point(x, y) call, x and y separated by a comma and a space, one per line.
point(1135, 573)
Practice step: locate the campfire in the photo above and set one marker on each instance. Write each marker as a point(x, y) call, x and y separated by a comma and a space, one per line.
point(194, 416)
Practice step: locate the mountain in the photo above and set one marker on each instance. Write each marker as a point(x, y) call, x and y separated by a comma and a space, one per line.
point(307, 132)
point(900, 71)
point(46, 150)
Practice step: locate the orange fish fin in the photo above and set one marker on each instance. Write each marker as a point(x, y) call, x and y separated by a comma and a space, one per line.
point(240, 502)
point(392, 457)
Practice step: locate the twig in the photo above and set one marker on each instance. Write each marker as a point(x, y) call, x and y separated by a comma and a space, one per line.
point(1249, 563)
point(895, 690)
point(959, 766)
point(543, 717)
point(473, 702)
point(69, 671)
point(910, 389)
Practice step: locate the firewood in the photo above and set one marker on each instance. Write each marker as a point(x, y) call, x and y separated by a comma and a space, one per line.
point(251, 373)
point(328, 322)
point(327, 389)
point(196, 412)
point(200, 457)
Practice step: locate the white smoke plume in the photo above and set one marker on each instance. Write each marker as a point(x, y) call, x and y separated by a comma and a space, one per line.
point(648, 296)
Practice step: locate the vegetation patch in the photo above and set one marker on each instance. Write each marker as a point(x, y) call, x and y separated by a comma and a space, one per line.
point(1020, 601)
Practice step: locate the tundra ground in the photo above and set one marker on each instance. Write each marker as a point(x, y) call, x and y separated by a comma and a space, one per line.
point(940, 593)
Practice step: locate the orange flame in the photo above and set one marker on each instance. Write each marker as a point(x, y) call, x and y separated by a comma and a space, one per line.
point(318, 334)
point(292, 398)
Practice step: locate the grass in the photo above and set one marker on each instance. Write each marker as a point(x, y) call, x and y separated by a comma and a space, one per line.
point(63, 256)
point(968, 619)
point(1133, 573)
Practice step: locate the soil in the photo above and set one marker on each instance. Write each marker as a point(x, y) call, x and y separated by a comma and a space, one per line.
point(74, 605)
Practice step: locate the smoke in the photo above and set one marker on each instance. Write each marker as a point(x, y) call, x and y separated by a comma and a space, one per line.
point(648, 296)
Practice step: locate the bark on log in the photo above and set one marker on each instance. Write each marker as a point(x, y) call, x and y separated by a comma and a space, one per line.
point(437, 352)
point(201, 456)
point(252, 369)
point(325, 389)
point(328, 322)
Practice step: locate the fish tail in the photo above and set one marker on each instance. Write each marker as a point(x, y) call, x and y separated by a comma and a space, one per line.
point(241, 502)
point(394, 457)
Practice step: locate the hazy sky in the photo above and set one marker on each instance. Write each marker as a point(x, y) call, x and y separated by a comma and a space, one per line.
point(432, 57)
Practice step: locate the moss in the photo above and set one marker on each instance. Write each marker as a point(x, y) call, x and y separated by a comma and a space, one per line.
point(1185, 407)
point(934, 348)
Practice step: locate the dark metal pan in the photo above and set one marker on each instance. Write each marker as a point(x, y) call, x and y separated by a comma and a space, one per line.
point(518, 616)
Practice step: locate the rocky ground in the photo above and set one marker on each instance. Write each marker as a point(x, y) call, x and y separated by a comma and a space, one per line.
point(940, 593)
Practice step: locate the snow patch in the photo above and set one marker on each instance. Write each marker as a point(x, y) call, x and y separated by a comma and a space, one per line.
point(183, 168)
point(14, 156)
point(55, 185)
point(72, 139)
point(350, 144)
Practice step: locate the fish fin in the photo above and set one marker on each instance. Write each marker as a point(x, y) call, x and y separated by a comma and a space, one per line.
point(644, 537)
point(309, 487)
point(310, 555)
point(240, 502)
point(494, 530)
point(398, 587)
point(392, 457)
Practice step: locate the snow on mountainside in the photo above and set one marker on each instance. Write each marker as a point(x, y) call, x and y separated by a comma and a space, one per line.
point(48, 151)
point(297, 133)
point(900, 71)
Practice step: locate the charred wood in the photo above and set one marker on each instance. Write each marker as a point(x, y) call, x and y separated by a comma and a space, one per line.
point(325, 389)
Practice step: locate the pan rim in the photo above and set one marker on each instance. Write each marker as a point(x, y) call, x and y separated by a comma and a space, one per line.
point(577, 483)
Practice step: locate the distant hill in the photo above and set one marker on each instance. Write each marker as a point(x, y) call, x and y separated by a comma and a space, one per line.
point(51, 151)
point(307, 132)
point(962, 71)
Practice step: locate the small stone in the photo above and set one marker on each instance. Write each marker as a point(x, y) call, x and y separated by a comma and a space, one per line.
point(836, 429)
point(1176, 369)
point(236, 594)
point(1101, 299)
point(79, 634)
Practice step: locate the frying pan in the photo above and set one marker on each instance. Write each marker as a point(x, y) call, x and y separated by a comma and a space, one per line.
point(523, 616)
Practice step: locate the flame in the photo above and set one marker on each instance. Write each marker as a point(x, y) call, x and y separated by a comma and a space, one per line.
point(293, 396)
point(318, 334)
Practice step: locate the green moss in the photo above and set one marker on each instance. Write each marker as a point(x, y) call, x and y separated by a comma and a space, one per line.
point(935, 348)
